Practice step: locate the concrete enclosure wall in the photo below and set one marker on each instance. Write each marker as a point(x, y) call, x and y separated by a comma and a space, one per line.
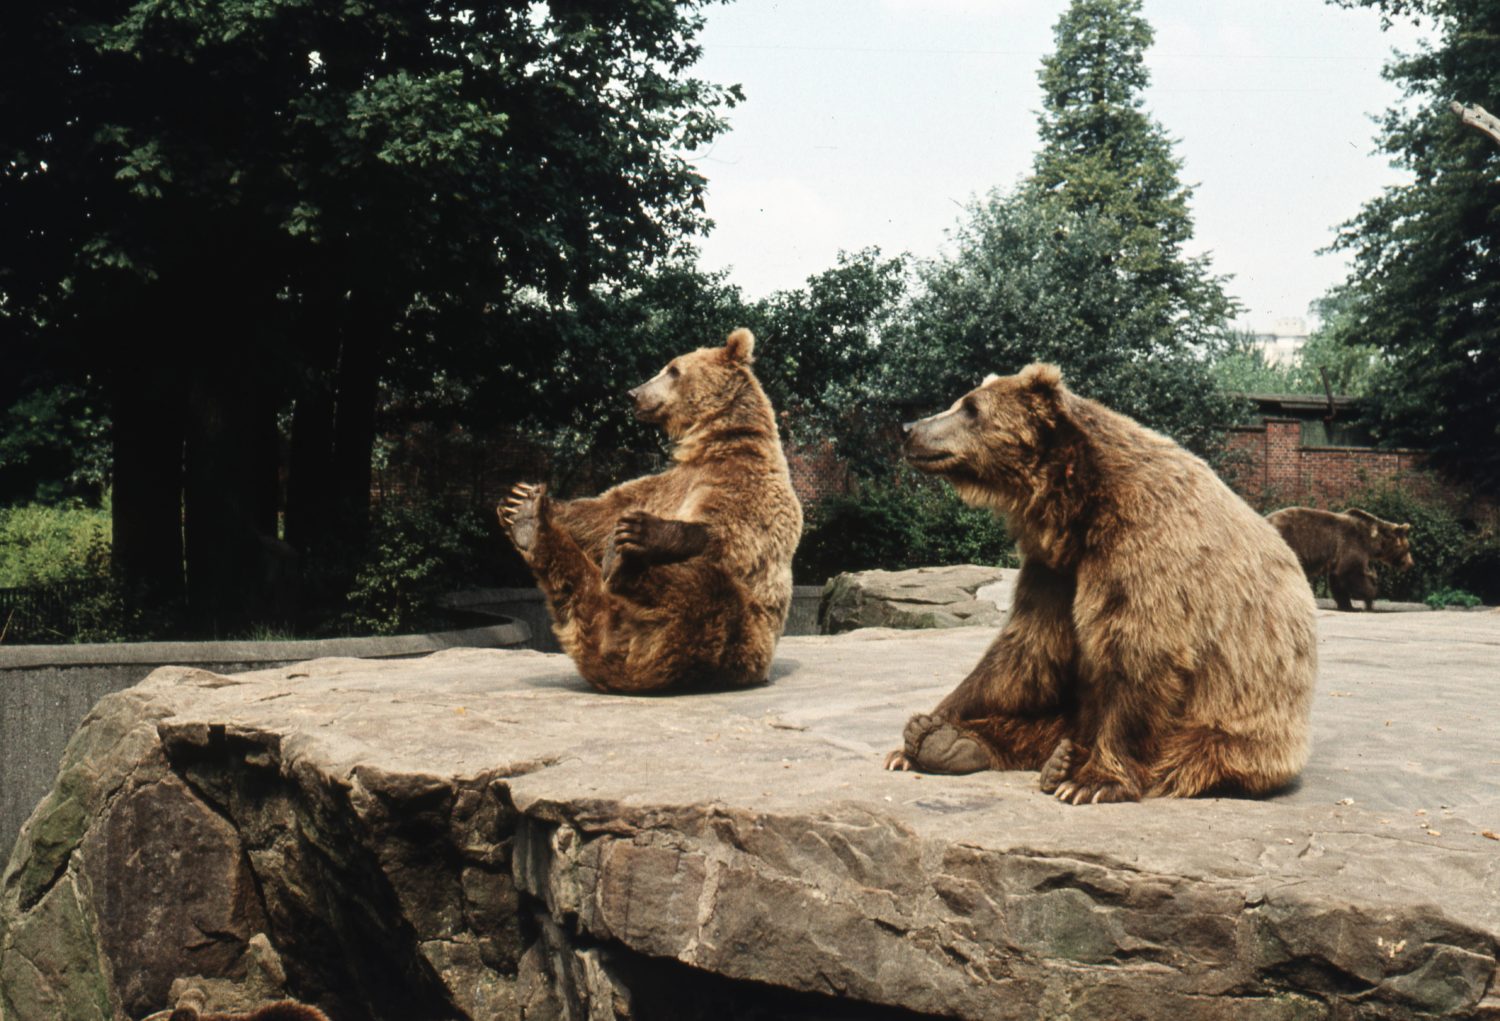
point(47, 690)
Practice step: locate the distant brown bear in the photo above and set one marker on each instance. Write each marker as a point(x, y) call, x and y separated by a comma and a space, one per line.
point(1341, 546)
point(1161, 639)
point(684, 578)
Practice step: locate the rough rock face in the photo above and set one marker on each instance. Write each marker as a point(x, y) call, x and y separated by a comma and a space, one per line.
point(966, 595)
point(478, 835)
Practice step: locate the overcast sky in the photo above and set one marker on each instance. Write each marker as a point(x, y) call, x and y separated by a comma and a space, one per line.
point(872, 122)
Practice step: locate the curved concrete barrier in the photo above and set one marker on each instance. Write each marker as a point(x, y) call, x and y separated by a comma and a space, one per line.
point(47, 690)
point(505, 634)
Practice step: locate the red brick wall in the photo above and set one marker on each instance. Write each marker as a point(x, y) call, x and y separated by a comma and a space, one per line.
point(1269, 464)
point(817, 472)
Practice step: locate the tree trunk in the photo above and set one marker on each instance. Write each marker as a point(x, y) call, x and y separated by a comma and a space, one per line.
point(147, 432)
point(230, 502)
point(354, 431)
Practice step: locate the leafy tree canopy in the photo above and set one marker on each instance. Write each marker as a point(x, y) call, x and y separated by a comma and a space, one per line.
point(223, 211)
point(1426, 278)
point(1083, 264)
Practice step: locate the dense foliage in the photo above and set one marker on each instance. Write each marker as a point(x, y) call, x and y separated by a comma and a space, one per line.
point(1083, 264)
point(1426, 278)
point(1028, 280)
point(896, 523)
point(1330, 360)
point(233, 217)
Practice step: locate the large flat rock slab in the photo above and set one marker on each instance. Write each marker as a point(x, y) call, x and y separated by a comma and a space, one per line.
point(478, 835)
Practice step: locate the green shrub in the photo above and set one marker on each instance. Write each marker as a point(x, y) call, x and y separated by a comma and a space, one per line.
point(1479, 570)
point(1451, 597)
point(41, 546)
point(898, 523)
point(416, 553)
point(60, 556)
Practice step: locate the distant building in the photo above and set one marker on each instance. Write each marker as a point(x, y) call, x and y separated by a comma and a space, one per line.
point(1283, 344)
point(1305, 449)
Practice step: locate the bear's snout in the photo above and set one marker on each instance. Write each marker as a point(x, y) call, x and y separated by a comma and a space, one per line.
point(648, 403)
point(925, 447)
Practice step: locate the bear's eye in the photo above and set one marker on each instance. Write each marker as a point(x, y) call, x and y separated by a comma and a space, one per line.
point(969, 408)
point(673, 371)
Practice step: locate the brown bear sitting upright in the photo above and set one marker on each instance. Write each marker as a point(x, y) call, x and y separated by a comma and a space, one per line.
point(1161, 639)
point(1341, 546)
point(684, 578)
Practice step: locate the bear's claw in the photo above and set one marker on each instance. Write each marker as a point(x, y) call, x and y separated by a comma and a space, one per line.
point(898, 761)
point(632, 532)
point(1075, 793)
point(522, 514)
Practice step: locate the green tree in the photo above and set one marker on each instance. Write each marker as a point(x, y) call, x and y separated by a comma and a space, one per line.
point(1083, 264)
point(242, 212)
point(1338, 349)
point(1426, 277)
point(1028, 280)
point(823, 351)
point(1103, 153)
point(1331, 353)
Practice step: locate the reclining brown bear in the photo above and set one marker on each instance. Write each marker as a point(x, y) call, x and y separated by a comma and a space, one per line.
point(1341, 546)
point(1161, 638)
point(684, 578)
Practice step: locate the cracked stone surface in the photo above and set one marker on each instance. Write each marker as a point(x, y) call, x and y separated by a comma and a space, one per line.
point(964, 595)
point(478, 835)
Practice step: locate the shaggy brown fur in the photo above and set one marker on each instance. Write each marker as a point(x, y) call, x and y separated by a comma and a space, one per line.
point(282, 1010)
point(1341, 546)
point(1161, 639)
point(684, 578)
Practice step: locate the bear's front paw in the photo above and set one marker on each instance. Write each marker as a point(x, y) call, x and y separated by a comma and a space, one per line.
point(1093, 787)
point(936, 746)
point(523, 513)
point(636, 533)
point(1094, 793)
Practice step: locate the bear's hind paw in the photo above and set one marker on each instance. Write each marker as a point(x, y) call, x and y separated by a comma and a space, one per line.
point(934, 745)
point(522, 514)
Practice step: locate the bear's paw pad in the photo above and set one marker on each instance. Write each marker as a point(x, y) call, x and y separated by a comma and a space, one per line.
point(936, 746)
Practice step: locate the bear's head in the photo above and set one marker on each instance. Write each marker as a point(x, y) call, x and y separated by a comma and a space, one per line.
point(1388, 542)
point(697, 386)
point(1395, 545)
point(1002, 440)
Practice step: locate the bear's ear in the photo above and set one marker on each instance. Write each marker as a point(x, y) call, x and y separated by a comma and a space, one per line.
point(1041, 378)
point(740, 347)
point(991, 378)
